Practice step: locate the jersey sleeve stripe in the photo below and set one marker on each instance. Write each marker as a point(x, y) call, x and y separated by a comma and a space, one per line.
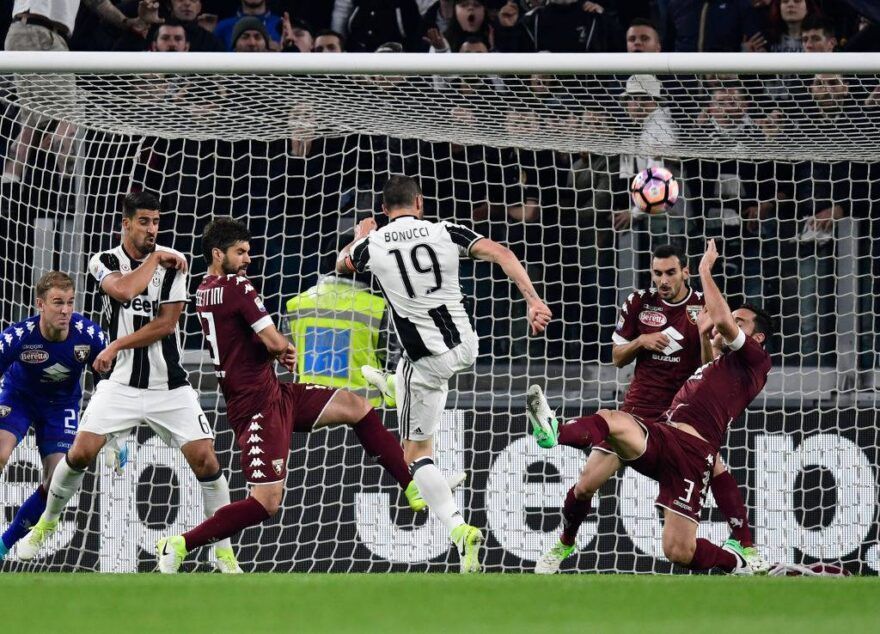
point(167, 283)
point(462, 236)
point(617, 339)
point(360, 255)
point(262, 323)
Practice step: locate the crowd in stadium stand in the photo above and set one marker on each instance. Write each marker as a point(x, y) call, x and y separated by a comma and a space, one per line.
point(777, 218)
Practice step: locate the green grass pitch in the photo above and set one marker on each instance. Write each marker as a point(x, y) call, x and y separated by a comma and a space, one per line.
point(417, 603)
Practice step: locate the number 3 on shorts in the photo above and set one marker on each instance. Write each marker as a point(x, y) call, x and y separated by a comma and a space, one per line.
point(686, 498)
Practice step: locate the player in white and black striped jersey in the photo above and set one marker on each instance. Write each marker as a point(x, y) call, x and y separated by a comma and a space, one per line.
point(144, 290)
point(416, 263)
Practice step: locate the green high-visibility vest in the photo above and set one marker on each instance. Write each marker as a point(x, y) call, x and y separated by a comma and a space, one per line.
point(336, 326)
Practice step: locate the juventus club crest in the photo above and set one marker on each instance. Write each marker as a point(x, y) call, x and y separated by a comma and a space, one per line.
point(692, 312)
point(81, 353)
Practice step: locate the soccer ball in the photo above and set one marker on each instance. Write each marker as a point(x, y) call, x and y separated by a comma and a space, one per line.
point(654, 190)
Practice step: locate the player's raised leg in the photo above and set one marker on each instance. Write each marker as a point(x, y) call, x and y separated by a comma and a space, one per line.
point(353, 410)
point(66, 481)
point(600, 466)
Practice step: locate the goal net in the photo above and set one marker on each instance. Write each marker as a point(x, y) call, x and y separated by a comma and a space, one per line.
point(778, 157)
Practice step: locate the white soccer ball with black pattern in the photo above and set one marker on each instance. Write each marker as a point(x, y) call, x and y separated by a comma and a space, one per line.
point(654, 190)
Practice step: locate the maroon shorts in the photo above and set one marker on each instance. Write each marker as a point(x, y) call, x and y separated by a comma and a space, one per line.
point(264, 438)
point(605, 446)
point(682, 464)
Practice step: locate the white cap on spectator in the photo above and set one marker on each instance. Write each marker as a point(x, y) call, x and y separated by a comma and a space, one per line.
point(642, 85)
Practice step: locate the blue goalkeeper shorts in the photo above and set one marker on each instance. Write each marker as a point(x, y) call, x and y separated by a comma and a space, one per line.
point(54, 423)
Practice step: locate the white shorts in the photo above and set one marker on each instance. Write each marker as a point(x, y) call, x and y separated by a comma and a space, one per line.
point(421, 388)
point(175, 415)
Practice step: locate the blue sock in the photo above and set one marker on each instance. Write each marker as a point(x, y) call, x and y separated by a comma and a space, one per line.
point(26, 517)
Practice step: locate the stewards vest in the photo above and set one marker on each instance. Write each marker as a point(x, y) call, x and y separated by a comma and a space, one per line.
point(336, 327)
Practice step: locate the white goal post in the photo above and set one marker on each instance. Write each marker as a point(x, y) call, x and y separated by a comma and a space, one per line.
point(778, 156)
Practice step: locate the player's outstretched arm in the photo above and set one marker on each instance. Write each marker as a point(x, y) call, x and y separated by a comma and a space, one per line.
point(538, 313)
point(123, 287)
point(154, 330)
point(708, 352)
point(719, 311)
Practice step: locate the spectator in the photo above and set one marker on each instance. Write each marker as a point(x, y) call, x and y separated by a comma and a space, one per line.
point(368, 23)
point(50, 30)
point(510, 33)
point(169, 37)
point(201, 40)
point(710, 26)
point(250, 36)
point(570, 26)
point(328, 41)
point(438, 15)
point(296, 35)
point(469, 20)
point(786, 17)
point(642, 37)
point(817, 35)
point(254, 8)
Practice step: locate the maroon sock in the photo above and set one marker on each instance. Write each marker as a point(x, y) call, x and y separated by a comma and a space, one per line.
point(381, 444)
point(583, 432)
point(708, 556)
point(226, 522)
point(730, 503)
point(574, 512)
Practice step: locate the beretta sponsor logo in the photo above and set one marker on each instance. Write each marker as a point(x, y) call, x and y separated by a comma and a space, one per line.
point(652, 318)
point(34, 356)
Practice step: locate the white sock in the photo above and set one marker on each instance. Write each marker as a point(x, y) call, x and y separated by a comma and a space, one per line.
point(435, 489)
point(66, 481)
point(215, 494)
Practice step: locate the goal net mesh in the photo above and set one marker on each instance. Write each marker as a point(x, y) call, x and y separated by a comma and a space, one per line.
point(782, 170)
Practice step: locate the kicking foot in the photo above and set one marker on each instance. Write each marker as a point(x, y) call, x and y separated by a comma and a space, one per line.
point(545, 427)
point(384, 382)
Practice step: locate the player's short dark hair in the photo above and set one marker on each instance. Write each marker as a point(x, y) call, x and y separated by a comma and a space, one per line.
point(764, 321)
point(669, 251)
point(53, 279)
point(221, 233)
point(400, 191)
point(333, 33)
point(138, 200)
point(644, 22)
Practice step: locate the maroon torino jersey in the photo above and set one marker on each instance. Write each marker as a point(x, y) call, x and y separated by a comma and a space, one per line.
point(720, 391)
point(658, 376)
point(231, 314)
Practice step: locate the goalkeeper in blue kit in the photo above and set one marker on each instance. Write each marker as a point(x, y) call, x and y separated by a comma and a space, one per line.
point(41, 363)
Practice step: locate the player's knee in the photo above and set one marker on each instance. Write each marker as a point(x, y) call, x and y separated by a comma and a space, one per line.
point(3, 461)
point(679, 551)
point(80, 457)
point(359, 408)
point(268, 497)
point(204, 464)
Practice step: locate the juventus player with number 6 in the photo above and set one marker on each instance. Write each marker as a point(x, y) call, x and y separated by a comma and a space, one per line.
point(416, 263)
point(144, 288)
point(263, 412)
